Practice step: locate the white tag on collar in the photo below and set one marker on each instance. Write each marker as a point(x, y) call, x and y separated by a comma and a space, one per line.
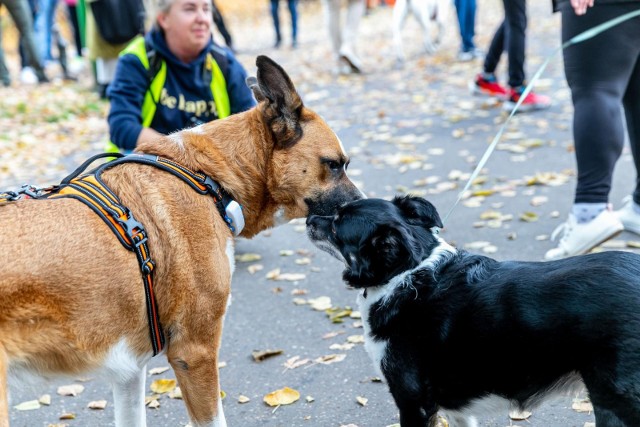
point(234, 217)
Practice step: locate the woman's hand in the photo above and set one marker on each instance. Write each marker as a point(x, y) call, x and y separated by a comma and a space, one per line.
point(580, 6)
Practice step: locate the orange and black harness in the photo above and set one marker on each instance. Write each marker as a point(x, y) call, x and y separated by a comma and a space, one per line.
point(89, 189)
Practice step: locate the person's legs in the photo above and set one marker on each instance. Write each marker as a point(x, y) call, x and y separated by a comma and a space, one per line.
point(466, 11)
point(73, 19)
point(276, 21)
point(332, 20)
point(21, 15)
point(515, 13)
point(293, 5)
point(598, 72)
point(43, 27)
point(5, 78)
point(494, 53)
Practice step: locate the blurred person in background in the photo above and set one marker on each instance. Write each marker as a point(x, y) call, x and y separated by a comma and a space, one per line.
point(293, 13)
point(174, 78)
point(343, 36)
point(21, 14)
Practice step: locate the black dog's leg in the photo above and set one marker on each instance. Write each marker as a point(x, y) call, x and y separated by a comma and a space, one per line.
point(606, 418)
point(616, 402)
point(412, 414)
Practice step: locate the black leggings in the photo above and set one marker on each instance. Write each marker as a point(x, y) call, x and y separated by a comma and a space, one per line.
point(604, 76)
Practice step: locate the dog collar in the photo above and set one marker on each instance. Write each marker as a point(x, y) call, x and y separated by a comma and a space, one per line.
point(229, 209)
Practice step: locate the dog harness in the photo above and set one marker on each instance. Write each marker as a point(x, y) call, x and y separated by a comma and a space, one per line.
point(89, 189)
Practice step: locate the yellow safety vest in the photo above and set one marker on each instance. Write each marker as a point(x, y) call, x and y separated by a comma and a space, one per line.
point(218, 86)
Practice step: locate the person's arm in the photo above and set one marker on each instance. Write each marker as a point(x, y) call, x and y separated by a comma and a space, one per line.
point(580, 6)
point(126, 93)
point(240, 96)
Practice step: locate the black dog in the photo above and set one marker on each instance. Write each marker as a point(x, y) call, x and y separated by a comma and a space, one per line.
point(452, 331)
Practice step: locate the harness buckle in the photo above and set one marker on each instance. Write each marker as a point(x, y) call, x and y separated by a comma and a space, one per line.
point(214, 189)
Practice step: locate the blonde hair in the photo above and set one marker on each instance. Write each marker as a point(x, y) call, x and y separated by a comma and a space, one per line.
point(156, 7)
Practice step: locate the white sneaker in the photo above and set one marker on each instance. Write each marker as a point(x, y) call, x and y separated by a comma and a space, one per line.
point(28, 76)
point(581, 238)
point(629, 218)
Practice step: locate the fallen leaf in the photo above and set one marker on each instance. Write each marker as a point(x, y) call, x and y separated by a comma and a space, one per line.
point(320, 303)
point(156, 371)
point(291, 277)
point(175, 394)
point(97, 404)
point(582, 405)
point(67, 416)
point(243, 399)
point(362, 400)
point(286, 252)
point(153, 404)
point(295, 362)
point(162, 386)
point(29, 405)
point(284, 396)
point(528, 217)
point(45, 399)
point(356, 339)
point(517, 415)
point(341, 347)
point(248, 257)
point(309, 399)
point(330, 358)
point(252, 269)
point(259, 356)
point(273, 274)
point(70, 390)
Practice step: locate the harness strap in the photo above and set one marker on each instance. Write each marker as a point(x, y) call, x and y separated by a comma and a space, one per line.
point(90, 190)
point(93, 192)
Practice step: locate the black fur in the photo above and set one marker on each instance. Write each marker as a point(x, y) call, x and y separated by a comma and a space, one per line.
point(470, 326)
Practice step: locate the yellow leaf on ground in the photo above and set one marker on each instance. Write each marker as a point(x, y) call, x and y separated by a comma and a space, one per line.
point(45, 399)
point(248, 257)
point(362, 400)
point(68, 416)
point(243, 399)
point(259, 356)
point(284, 396)
point(163, 386)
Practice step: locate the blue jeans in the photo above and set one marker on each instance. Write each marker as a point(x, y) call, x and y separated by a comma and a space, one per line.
point(45, 20)
point(466, 11)
point(294, 18)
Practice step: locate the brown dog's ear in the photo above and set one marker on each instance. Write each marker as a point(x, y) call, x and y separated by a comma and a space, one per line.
point(418, 211)
point(252, 83)
point(283, 105)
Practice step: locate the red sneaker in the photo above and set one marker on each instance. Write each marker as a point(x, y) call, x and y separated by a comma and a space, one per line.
point(487, 87)
point(532, 102)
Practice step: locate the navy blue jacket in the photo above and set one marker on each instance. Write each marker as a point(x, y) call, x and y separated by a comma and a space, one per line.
point(185, 84)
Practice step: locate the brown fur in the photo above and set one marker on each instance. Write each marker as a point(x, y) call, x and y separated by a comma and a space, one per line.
point(69, 291)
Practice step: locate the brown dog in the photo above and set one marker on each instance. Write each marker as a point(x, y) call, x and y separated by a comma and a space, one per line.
point(71, 297)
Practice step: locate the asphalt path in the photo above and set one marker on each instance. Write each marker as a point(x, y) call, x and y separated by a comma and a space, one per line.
point(416, 130)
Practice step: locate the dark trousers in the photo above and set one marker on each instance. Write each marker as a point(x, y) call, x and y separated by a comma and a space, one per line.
point(510, 35)
point(466, 11)
point(294, 18)
point(603, 74)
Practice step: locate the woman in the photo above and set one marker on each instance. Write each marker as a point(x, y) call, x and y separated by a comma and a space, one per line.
point(175, 77)
point(603, 74)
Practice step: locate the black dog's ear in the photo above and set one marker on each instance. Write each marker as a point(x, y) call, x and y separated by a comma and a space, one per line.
point(282, 106)
point(252, 83)
point(377, 259)
point(418, 211)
